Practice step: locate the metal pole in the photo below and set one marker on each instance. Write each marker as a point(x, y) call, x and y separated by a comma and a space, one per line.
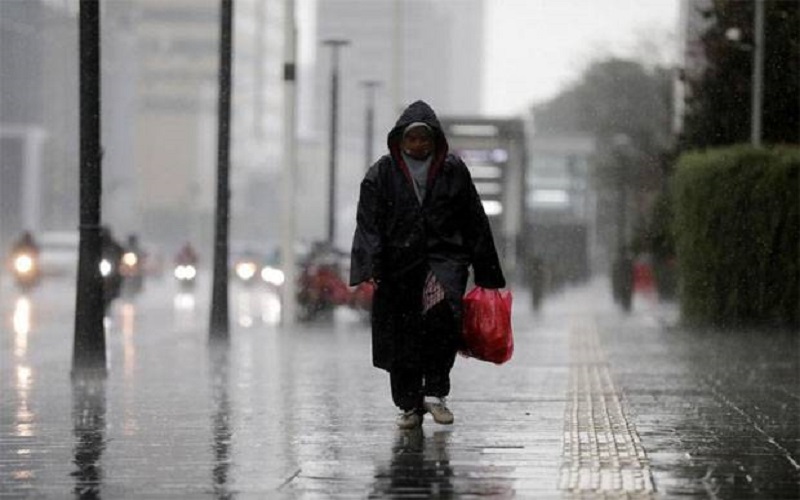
point(219, 324)
point(333, 144)
point(335, 45)
point(398, 29)
point(288, 297)
point(89, 347)
point(369, 132)
point(758, 74)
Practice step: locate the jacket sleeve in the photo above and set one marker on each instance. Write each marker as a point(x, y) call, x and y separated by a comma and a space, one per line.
point(365, 256)
point(485, 262)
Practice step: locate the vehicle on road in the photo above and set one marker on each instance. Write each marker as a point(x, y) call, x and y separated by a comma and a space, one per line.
point(185, 268)
point(131, 267)
point(320, 285)
point(246, 266)
point(25, 269)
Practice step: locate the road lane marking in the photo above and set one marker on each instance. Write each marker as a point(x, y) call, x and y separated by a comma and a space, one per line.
point(602, 451)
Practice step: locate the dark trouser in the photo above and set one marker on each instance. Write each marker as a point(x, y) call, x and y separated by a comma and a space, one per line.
point(439, 348)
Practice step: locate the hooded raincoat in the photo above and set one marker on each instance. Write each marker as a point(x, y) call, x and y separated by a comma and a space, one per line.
point(398, 239)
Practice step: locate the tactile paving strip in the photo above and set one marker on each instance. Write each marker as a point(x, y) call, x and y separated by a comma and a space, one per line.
point(603, 455)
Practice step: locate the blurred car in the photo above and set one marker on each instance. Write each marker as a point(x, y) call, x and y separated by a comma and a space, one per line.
point(245, 268)
point(271, 272)
point(264, 266)
point(246, 262)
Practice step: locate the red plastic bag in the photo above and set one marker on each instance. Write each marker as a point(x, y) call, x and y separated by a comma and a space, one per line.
point(487, 325)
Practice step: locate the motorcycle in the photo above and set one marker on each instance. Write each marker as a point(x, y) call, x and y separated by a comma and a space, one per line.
point(186, 275)
point(320, 286)
point(131, 270)
point(25, 268)
point(245, 269)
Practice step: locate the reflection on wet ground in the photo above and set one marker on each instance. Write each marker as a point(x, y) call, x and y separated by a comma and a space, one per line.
point(301, 413)
point(718, 412)
point(89, 429)
point(419, 466)
point(221, 432)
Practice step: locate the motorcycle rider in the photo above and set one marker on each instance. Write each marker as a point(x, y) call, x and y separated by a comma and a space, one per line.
point(25, 243)
point(24, 260)
point(186, 256)
point(186, 266)
point(132, 266)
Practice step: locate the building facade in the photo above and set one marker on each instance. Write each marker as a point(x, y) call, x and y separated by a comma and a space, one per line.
point(177, 117)
point(159, 74)
point(38, 117)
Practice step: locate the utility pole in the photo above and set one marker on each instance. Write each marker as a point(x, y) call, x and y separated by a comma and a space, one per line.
point(220, 324)
point(335, 45)
point(288, 298)
point(370, 86)
point(758, 74)
point(89, 346)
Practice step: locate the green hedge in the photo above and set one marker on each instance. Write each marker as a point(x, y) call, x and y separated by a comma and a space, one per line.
point(737, 235)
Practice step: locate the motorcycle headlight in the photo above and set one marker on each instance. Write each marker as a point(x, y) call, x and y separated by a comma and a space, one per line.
point(105, 267)
point(190, 272)
point(23, 264)
point(130, 259)
point(245, 270)
point(272, 276)
point(187, 272)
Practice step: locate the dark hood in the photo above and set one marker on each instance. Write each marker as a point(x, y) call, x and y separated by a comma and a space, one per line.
point(418, 111)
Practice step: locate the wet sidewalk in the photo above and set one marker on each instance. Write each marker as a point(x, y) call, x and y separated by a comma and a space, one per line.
point(594, 404)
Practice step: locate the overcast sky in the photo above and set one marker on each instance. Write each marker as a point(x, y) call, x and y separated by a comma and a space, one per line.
point(536, 47)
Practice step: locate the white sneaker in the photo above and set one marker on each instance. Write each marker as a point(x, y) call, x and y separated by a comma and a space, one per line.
point(409, 419)
point(438, 409)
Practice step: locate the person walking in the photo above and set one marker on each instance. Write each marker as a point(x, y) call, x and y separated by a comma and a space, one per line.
point(420, 226)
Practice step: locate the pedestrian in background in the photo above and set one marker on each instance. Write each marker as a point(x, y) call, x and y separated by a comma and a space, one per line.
point(420, 226)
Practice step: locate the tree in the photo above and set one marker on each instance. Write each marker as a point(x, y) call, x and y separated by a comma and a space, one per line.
point(718, 104)
point(617, 97)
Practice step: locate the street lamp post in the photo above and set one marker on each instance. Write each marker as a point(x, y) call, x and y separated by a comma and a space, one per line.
point(335, 45)
point(370, 86)
point(288, 293)
point(734, 35)
point(89, 349)
point(219, 321)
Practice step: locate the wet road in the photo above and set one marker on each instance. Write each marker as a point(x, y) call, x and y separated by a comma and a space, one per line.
point(593, 404)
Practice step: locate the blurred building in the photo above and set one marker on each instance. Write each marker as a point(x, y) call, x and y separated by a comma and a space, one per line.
point(177, 117)
point(422, 49)
point(38, 116)
point(159, 116)
point(561, 207)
